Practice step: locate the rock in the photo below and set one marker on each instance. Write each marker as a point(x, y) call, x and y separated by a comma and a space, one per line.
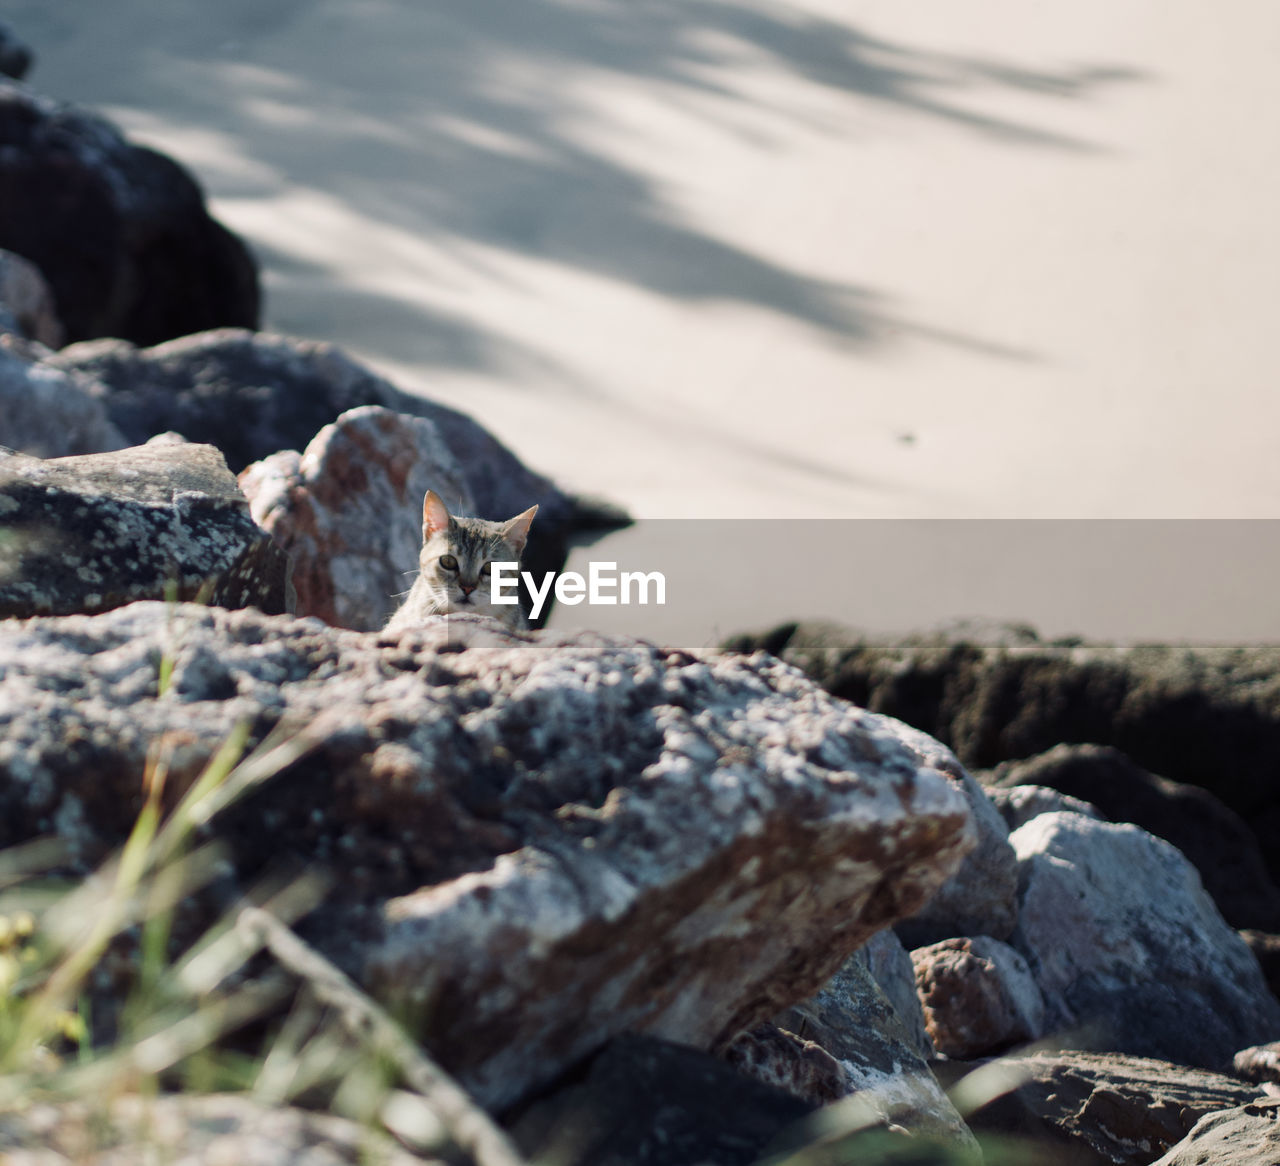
point(1020, 803)
point(1259, 1063)
point(189, 1128)
point(534, 845)
point(1220, 846)
point(254, 395)
point(1113, 1108)
point(1207, 715)
point(853, 1021)
point(650, 1102)
point(16, 57)
point(1122, 938)
point(981, 898)
point(48, 413)
point(120, 232)
point(1266, 950)
point(785, 1061)
point(1246, 1136)
point(890, 966)
point(978, 996)
point(26, 303)
point(84, 534)
point(349, 511)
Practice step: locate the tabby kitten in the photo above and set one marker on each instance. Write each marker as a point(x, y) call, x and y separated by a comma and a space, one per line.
point(454, 565)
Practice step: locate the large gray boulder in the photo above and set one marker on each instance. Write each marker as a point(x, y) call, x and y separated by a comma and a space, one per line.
point(1213, 837)
point(48, 413)
point(1128, 948)
point(84, 534)
point(120, 232)
point(536, 842)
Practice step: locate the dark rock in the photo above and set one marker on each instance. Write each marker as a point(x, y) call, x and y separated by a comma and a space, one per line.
point(120, 232)
point(190, 1128)
point(1266, 950)
point(1112, 1108)
point(50, 414)
point(1207, 715)
point(85, 534)
point(1219, 844)
point(15, 56)
point(26, 302)
point(854, 1022)
point(1129, 950)
point(978, 996)
point(349, 511)
point(1246, 1136)
point(646, 1102)
point(890, 966)
point(790, 1063)
point(536, 842)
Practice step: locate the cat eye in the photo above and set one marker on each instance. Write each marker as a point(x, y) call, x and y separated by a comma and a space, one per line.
point(485, 569)
point(448, 562)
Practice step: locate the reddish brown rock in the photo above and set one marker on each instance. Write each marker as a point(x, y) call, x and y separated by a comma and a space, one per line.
point(349, 511)
point(978, 996)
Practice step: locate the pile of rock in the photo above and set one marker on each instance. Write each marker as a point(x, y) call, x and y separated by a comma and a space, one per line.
point(645, 905)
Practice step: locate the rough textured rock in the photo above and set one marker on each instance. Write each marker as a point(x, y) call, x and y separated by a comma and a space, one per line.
point(1246, 1136)
point(889, 964)
point(1122, 938)
point(26, 301)
point(120, 232)
point(50, 414)
point(255, 395)
point(538, 842)
point(790, 1063)
point(647, 1102)
point(349, 511)
point(1207, 715)
point(1259, 1063)
point(16, 57)
point(1219, 844)
point(980, 899)
point(1117, 1109)
point(219, 1128)
point(84, 534)
point(853, 1021)
point(1020, 803)
point(978, 997)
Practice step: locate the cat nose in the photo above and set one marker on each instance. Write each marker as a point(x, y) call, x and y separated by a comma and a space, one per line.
point(466, 588)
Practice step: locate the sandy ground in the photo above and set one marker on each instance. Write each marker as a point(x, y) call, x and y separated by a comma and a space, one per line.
point(753, 259)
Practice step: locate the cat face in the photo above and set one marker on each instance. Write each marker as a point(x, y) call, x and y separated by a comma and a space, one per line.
point(458, 553)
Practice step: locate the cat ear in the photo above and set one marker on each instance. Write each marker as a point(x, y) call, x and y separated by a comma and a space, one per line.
point(435, 515)
point(516, 530)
